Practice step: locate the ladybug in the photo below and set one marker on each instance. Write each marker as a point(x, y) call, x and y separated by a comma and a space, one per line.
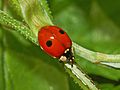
point(56, 43)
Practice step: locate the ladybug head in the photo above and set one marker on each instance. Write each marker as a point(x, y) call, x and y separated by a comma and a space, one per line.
point(68, 56)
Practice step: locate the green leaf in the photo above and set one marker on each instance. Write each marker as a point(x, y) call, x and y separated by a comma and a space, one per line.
point(15, 7)
point(11, 23)
point(2, 86)
point(1, 4)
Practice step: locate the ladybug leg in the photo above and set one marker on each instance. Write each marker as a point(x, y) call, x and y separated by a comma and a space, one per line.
point(73, 57)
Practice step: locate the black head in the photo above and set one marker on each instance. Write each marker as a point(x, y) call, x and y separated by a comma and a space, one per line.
point(68, 56)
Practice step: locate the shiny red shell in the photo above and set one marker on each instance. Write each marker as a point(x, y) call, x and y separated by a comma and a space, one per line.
point(53, 40)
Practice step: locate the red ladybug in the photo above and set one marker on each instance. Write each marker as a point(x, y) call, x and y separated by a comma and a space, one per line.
point(55, 42)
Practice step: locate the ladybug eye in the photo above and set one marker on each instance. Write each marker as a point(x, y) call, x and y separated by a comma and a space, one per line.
point(61, 31)
point(49, 43)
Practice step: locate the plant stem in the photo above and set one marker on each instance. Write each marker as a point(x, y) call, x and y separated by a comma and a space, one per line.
point(10, 22)
point(83, 78)
point(95, 57)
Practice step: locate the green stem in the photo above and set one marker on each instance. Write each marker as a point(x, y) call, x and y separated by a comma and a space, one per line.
point(84, 81)
point(95, 57)
point(10, 22)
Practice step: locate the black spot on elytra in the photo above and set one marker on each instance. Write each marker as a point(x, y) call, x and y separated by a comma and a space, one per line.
point(49, 43)
point(61, 31)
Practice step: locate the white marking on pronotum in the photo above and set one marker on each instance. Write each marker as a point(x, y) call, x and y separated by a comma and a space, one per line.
point(66, 50)
point(63, 58)
point(73, 58)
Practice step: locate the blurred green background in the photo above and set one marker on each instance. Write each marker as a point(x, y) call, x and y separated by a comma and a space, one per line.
point(94, 24)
